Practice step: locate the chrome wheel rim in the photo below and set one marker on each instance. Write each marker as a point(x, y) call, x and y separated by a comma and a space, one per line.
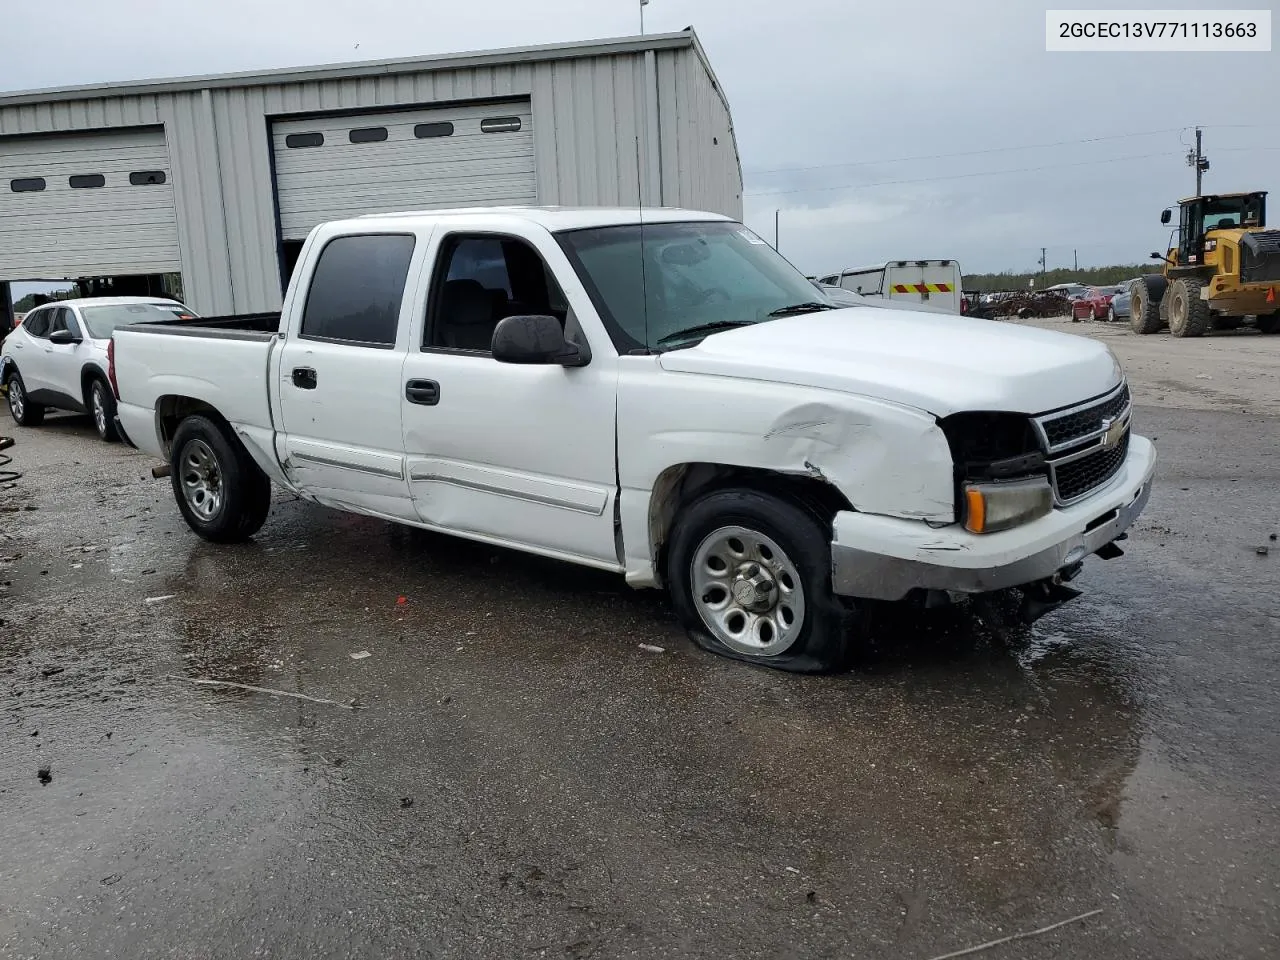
point(17, 402)
point(201, 480)
point(99, 411)
point(747, 591)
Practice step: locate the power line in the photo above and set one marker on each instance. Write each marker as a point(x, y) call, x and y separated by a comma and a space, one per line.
point(955, 176)
point(964, 153)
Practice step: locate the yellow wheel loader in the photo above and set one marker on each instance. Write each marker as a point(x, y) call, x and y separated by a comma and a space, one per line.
point(1223, 269)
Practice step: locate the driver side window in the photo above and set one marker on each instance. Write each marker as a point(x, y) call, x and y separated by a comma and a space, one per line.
point(481, 280)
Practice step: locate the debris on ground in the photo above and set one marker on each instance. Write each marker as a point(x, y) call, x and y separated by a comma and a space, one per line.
point(51, 671)
point(111, 880)
point(791, 869)
point(361, 654)
point(45, 775)
point(1016, 936)
point(160, 599)
point(652, 648)
point(1262, 551)
point(406, 803)
point(199, 681)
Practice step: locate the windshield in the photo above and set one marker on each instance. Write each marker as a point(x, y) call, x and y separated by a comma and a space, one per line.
point(695, 276)
point(102, 321)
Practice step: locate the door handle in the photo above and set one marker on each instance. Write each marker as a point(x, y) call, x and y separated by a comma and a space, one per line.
point(304, 378)
point(425, 392)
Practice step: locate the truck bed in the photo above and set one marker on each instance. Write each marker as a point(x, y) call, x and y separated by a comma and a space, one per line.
point(219, 361)
point(237, 326)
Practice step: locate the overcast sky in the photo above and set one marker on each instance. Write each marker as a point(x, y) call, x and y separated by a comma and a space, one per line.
point(852, 93)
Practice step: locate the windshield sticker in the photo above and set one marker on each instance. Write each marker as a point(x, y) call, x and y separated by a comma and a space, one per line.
point(747, 235)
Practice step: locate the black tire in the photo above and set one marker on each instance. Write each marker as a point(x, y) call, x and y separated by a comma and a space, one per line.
point(822, 642)
point(1144, 307)
point(230, 496)
point(1111, 314)
point(102, 407)
point(1270, 323)
point(24, 412)
point(1228, 323)
point(1189, 316)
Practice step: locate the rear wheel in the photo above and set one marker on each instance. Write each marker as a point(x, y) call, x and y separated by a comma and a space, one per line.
point(24, 412)
point(221, 492)
point(1144, 307)
point(1111, 314)
point(1189, 316)
point(1270, 323)
point(750, 578)
point(102, 404)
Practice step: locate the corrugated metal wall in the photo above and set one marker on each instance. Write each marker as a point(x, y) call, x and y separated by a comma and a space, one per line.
point(589, 112)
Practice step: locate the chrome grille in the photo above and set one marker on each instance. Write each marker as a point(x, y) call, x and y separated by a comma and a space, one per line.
point(1069, 427)
point(1075, 479)
point(1086, 445)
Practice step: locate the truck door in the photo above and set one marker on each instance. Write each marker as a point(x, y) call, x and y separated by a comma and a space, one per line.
point(504, 452)
point(338, 374)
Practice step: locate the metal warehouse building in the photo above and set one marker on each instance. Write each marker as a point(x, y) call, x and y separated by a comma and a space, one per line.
point(219, 178)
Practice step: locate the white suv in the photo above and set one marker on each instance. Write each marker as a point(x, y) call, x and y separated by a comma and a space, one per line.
point(58, 356)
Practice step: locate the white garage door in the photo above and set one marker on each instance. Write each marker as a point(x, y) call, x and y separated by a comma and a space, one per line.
point(328, 168)
point(86, 205)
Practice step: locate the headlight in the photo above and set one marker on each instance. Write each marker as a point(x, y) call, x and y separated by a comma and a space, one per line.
point(991, 507)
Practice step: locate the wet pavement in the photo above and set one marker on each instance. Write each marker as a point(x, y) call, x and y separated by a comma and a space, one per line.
point(510, 774)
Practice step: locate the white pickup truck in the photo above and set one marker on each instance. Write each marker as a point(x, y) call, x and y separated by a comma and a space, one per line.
point(656, 394)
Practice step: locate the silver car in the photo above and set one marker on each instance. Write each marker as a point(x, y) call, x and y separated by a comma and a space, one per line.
point(1121, 301)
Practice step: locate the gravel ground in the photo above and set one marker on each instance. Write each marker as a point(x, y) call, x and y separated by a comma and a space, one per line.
point(1226, 370)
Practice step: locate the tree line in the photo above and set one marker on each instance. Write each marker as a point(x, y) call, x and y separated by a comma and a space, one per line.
point(1091, 276)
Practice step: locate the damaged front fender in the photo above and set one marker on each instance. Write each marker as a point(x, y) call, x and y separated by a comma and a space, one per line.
point(883, 458)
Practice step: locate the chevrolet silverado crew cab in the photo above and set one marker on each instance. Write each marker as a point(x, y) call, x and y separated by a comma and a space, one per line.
point(658, 394)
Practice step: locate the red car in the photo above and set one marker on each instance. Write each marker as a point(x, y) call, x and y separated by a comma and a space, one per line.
point(1092, 306)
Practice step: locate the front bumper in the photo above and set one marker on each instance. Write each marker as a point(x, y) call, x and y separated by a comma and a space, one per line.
point(884, 558)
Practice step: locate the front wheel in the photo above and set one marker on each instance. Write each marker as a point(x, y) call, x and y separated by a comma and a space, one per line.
point(1111, 314)
point(24, 412)
point(102, 403)
point(222, 494)
point(750, 578)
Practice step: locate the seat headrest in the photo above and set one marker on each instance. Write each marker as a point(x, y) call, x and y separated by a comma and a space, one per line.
point(466, 303)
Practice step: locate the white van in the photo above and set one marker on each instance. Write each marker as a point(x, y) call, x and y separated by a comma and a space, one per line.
point(933, 282)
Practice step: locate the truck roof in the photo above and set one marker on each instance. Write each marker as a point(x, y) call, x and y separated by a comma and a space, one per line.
point(552, 217)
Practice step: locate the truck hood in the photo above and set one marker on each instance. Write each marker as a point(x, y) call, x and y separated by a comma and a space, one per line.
point(942, 364)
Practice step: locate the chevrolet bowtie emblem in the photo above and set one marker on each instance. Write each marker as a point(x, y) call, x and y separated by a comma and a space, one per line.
point(1113, 432)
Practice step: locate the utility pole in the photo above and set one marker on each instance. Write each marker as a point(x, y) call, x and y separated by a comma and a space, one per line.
point(1042, 263)
point(1075, 258)
point(775, 229)
point(643, 4)
point(1198, 160)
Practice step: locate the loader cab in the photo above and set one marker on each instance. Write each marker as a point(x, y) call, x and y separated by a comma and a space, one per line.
point(1199, 215)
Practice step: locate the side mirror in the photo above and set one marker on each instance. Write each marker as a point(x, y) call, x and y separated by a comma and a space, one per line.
point(1156, 256)
point(64, 338)
point(534, 339)
point(1166, 216)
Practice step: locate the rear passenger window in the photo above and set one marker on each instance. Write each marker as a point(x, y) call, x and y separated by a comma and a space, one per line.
point(37, 323)
point(356, 290)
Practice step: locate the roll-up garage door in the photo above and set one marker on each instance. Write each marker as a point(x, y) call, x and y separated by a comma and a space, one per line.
point(86, 205)
point(328, 168)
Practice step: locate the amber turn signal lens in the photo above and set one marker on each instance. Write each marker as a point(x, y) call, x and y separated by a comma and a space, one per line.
point(975, 519)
